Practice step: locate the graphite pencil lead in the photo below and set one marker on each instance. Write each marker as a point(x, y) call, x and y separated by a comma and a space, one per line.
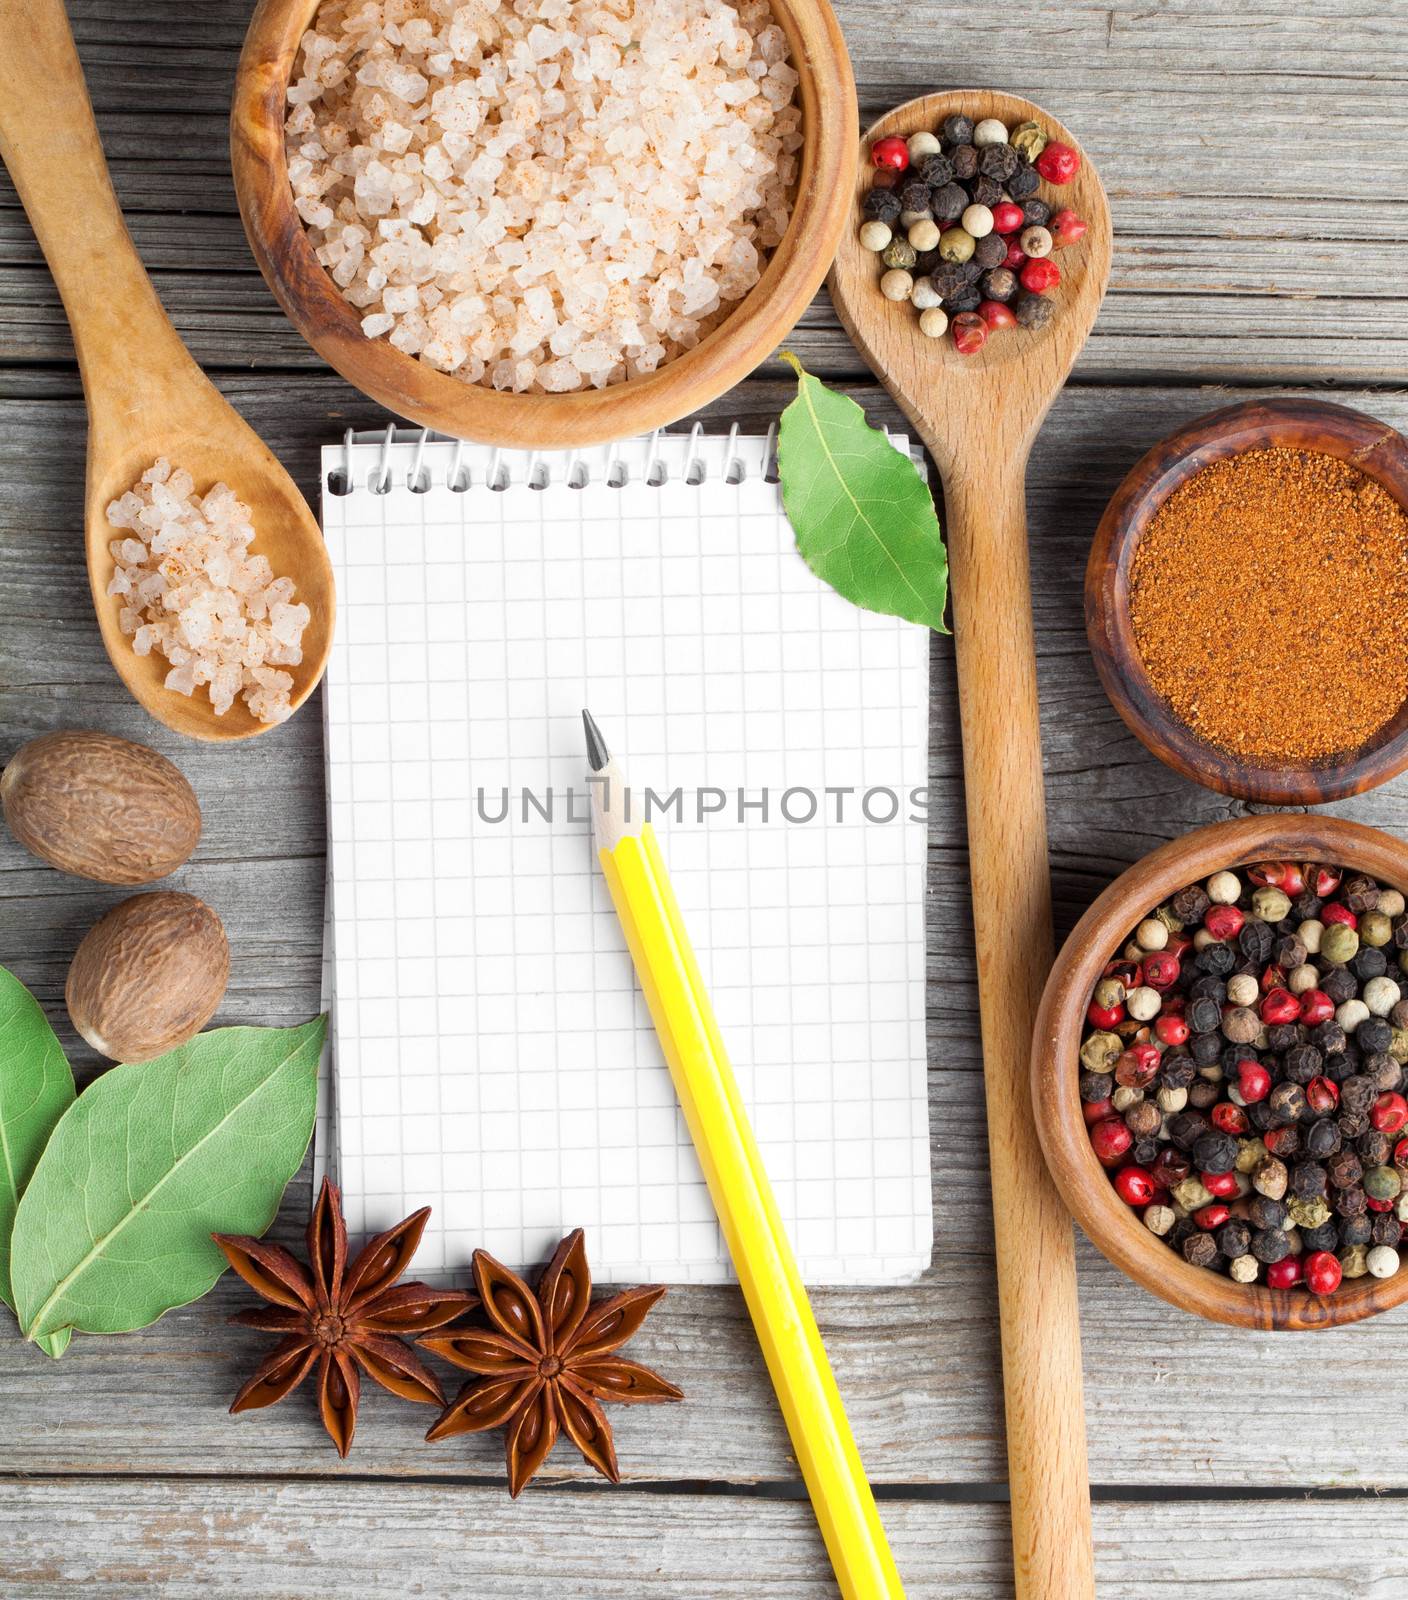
point(597, 753)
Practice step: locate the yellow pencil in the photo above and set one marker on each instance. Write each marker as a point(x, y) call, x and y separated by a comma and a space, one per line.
point(738, 1185)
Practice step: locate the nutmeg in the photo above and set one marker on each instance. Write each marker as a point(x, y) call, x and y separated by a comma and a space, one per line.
point(148, 976)
point(100, 807)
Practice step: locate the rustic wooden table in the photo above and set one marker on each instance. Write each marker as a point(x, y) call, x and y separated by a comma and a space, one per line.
point(1250, 154)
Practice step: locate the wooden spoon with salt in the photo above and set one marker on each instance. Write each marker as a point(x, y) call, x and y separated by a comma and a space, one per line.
point(146, 396)
point(978, 415)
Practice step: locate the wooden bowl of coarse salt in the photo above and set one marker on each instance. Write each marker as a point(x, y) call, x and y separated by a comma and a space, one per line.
point(551, 241)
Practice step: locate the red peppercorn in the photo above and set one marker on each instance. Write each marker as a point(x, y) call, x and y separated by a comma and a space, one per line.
point(1110, 1139)
point(970, 333)
point(1335, 912)
point(1229, 1118)
point(1253, 1081)
point(1058, 163)
point(1279, 1005)
point(1178, 946)
point(1171, 1029)
point(1161, 971)
point(1066, 227)
point(1106, 1018)
point(1224, 922)
point(1322, 1096)
point(1280, 875)
point(1316, 1007)
point(1097, 1110)
point(1389, 1113)
point(1007, 218)
point(1322, 1272)
point(1377, 1205)
point(1134, 1186)
point(997, 315)
point(1285, 1274)
point(1040, 275)
point(1400, 1153)
point(1210, 1217)
point(1322, 880)
point(892, 152)
point(1223, 1185)
point(1272, 978)
point(1015, 255)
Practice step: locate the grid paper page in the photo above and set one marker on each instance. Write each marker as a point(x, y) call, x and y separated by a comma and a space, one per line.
point(494, 1058)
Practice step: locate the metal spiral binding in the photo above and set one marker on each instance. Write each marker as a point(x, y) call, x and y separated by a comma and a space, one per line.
point(615, 465)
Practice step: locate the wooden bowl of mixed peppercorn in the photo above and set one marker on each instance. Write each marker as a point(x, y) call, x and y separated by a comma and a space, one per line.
point(1218, 1072)
point(1246, 598)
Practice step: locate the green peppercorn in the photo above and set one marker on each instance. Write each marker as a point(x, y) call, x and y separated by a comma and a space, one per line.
point(1028, 139)
point(1338, 944)
point(1100, 1052)
point(956, 244)
point(1308, 1213)
point(899, 254)
point(1271, 904)
point(1382, 1183)
point(1375, 929)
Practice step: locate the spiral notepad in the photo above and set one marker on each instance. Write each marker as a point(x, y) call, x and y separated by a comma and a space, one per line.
point(493, 1056)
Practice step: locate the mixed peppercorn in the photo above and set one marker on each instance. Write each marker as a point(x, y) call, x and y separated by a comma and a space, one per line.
point(961, 230)
point(1242, 1074)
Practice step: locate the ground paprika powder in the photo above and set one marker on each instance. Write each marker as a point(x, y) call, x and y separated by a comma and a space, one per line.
point(1269, 602)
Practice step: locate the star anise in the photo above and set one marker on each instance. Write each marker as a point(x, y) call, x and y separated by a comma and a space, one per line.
point(547, 1362)
point(340, 1318)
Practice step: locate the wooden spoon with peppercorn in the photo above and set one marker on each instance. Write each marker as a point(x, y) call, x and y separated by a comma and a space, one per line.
point(978, 415)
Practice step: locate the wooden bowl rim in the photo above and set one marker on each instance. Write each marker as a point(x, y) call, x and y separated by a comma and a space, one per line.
point(1312, 425)
point(745, 337)
point(1097, 938)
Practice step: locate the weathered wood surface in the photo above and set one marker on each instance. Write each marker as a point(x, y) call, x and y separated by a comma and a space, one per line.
point(1250, 171)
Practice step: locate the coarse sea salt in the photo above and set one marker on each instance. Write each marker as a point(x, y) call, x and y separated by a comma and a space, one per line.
point(543, 194)
point(192, 592)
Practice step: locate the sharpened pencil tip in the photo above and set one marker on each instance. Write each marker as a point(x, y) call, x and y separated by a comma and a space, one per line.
point(597, 753)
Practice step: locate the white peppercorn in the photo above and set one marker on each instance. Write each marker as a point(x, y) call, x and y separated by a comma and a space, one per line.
point(1309, 934)
point(1382, 1261)
point(909, 218)
point(1172, 1100)
point(1351, 1014)
point(1381, 995)
point(1223, 888)
point(1151, 934)
point(989, 131)
point(1243, 989)
point(1244, 1269)
point(933, 324)
point(1036, 242)
point(896, 284)
point(977, 220)
point(924, 295)
point(1125, 1096)
point(1159, 1219)
point(1144, 1003)
point(1300, 979)
point(875, 235)
point(923, 144)
point(924, 235)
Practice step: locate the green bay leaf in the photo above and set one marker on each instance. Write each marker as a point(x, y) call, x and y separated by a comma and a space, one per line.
point(114, 1228)
point(36, 1088)
point(861, 510)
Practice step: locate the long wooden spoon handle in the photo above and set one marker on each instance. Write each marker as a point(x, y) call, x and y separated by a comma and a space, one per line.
point(993, 633)
point(49, 144)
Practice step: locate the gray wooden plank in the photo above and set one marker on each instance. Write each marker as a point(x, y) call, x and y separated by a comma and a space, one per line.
point(184, 1541)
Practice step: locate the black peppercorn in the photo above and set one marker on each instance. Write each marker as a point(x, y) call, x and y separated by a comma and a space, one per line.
point(1206, 1047)
point(1208, 987)
point(965, 162)
point(1351, 1202)
point(1355, 1230)
point(883, 205)
point(1203, 1095)
point(1000, 284)
point(1143, 1119)
point(967, 299)
point(1170, 1167)
point(1186, 1128)
point(1385, 1071)
point(1255, 941)
point(1305, 906)
point(1374, 1035)
point(914, 196)
point(1264, 1213)
point(1307, 1180)
point(1215, 958)
point(1215, 1151)
point(1270, 1245)
point(1352, 1126)
point(990, 250)
point(1234, 1238)
point(957, 129)
point(1032, 310)
point(1201, 1249)
point(1400, 932)
point(1369, 963)
point(986, 192)
point(1203, 1016)
point(1143, 1151)
point(1344, 1169)
point(1096, 1086)
point(1284, 1036)
point(998, 161)
point(1287, 1103)
point(1387, 1229)
point(1259, 1115)
point(1190, 905)
point(935, 170)
point(1176, 1071)
point(1328, 1038)
point(947, 278)
point(1288, 954)
point(947, 203)
point(1360, 894)
point(1302, 1064)
point(1321, 1139)
point(1340, 984)
point(1373, 1148)
point(1325, 1237)
point(1023, 182)
point(1357, 1094)
point(970, 270)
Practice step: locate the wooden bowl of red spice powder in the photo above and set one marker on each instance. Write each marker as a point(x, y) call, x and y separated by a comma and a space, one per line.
point(1247, 601)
